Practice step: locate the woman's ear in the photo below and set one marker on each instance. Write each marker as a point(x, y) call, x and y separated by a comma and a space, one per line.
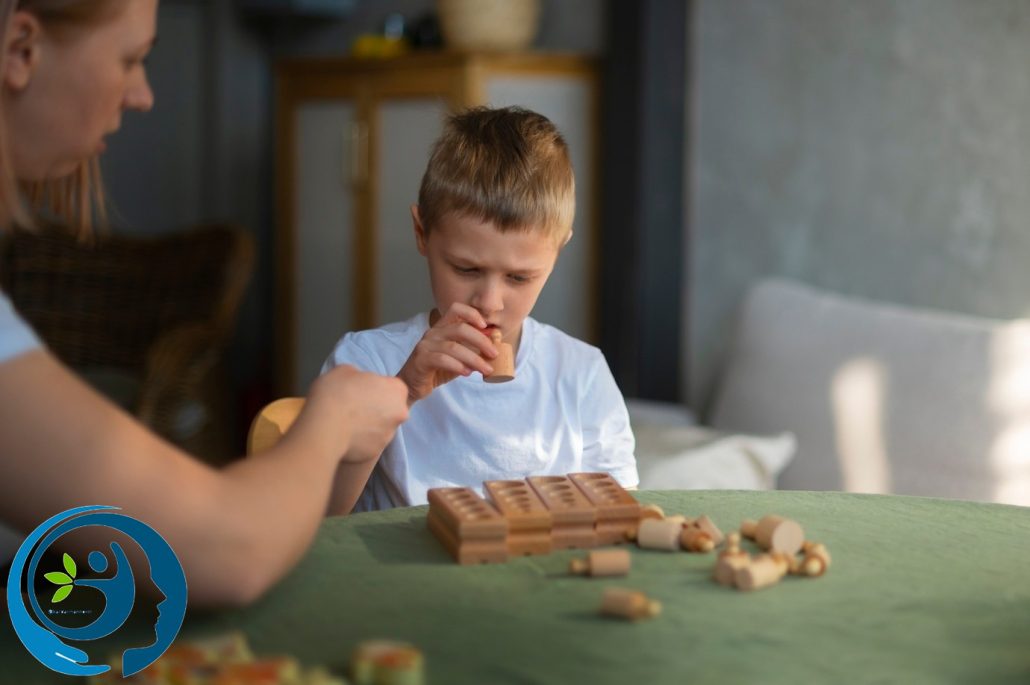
point(420, 231)
point(21, 50)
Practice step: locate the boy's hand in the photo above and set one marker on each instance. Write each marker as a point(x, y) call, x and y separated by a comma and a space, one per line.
point(454, 346)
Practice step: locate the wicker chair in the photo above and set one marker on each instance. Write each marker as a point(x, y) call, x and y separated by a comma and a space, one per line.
point(145, 320)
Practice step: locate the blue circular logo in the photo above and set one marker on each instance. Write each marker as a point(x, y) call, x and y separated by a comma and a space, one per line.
point(46, 640)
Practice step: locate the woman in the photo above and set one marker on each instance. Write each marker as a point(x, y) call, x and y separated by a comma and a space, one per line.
point(70, 68)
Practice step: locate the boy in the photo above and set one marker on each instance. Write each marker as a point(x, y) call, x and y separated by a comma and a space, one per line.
point(494, 210)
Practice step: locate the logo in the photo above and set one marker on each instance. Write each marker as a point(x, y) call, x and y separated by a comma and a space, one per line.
point(47, 640)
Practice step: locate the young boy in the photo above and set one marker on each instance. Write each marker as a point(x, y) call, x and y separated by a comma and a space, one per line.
point(494, 210)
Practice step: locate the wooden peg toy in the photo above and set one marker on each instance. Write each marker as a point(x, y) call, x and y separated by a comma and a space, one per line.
point(730, 560)
point(467, 525)
point(775, 533)
point(386, 662)
point(628, 604)
point(762, 571)
point(694, 539)
point(603, 562)
point(707, 525)
point(655, 534)
point(572, 514)
point(815, 561)
point(504, 363)
point(529, 521)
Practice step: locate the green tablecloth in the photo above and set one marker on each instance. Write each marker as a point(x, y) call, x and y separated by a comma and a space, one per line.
point(921, 590)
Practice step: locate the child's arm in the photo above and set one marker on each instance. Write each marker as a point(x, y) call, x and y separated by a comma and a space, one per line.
point(455, 345)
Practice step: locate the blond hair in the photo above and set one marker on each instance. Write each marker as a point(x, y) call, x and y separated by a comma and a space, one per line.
point(508, 166)
point(76, 200)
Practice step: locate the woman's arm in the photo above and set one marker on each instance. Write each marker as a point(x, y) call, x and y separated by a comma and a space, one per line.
point(236, 531)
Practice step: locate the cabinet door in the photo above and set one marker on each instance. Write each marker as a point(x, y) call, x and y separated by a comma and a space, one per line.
point(567, 300)
point(324, 233)
point(407, 129)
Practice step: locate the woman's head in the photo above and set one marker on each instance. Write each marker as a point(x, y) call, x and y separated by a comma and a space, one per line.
point(68, 71)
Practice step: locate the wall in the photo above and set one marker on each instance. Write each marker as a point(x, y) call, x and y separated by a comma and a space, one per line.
point(877, 148)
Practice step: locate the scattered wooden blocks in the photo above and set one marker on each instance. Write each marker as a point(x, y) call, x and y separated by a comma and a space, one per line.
point(529, 521)
point(655, 534)
point(467, 526)
point(617, 511)
point(775, 533)
point(572, 514)
point(761, 571)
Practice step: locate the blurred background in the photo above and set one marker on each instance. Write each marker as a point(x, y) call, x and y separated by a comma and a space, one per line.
point(873, 148)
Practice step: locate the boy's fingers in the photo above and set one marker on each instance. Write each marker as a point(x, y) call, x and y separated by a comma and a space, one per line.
point(460, 312)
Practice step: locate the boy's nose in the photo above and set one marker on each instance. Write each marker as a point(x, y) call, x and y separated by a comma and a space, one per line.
point(488, 298)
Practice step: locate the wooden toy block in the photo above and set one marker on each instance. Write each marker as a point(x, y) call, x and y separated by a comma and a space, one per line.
point(572, 514)
point(775, 533)
point(707, 525)
point(628, 604)
point(694, 539)
point(383, 662)
point(678, 519)
point(655, 534)
point(617, 510)
point(504, 363)
point(467, 526)
point(730, 559)
point(529, 521)
point(602, 562)
point(651, 511)
point(762, 571)
point(816, 560)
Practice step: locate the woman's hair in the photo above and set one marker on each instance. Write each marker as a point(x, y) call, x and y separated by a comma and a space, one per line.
point(76, 200)
point(509, 166)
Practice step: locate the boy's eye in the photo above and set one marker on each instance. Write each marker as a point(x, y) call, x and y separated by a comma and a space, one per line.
point(466, 270)
point(516, 278)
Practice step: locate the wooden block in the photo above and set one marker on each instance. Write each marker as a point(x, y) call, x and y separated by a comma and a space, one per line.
point(529, 521)
point(775, 533)
point(693, 539)
point(383, 662)
point(763, 571)
point(707, 525)
point(655, 534)
point(572, 514)
point(628, 604)
point(602, 562)
point(504, 363)
point(815, 561)
point(727, 566)
point(467, 526)
point(618, 513)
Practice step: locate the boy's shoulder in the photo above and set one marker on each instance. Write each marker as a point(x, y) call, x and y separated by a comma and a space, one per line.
point(552, 342)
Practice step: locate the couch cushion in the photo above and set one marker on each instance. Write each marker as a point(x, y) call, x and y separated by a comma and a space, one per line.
point(882, 398)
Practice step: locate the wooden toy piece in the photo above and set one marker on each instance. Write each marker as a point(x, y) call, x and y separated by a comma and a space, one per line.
point(655, 534)
point(529, 521)
point(617, 510)
point(467, 526)
point(762, 571)
point(678, 519)
point(384, 662)
point(504, 362)
point(730, 560)
point(572, 514)
point(651, 511)
point(694, 539)
point(629, 604)
point(602, 562)
point(707, 525)
point(775, 533)
point(272, 422)
point(815, 561)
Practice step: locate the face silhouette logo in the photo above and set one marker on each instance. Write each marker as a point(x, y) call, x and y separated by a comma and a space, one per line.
point(46, 640)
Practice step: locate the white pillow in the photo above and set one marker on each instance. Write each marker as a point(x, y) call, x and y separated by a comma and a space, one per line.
point(672, 454)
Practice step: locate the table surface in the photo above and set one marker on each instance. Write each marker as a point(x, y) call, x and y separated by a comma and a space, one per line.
point(920, 590)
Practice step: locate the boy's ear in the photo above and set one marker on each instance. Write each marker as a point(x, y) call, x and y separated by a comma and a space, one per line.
point(420, 231)
point(21, 50)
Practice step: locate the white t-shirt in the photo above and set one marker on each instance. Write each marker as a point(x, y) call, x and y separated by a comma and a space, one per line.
point(15, 338)
point(563, 413)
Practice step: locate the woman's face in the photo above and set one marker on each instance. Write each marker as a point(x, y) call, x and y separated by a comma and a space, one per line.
point(65, 92)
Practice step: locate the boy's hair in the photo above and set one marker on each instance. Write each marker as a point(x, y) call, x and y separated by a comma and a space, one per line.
point(76, 200)
point(507, 166)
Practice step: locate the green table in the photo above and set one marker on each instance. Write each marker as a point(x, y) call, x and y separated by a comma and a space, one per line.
point(921, 590)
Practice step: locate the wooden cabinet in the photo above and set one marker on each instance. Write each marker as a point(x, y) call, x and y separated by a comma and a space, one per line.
point(353, 139)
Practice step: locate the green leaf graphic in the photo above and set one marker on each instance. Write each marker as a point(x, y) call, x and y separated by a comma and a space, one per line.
point(57, 578)
point(61, 593)
point(69, 565)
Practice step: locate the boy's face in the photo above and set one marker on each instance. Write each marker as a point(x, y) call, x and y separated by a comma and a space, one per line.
point(499, 274)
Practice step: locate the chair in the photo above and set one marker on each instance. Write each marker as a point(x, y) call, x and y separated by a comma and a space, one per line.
point(145, 320)
point(272, 422)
